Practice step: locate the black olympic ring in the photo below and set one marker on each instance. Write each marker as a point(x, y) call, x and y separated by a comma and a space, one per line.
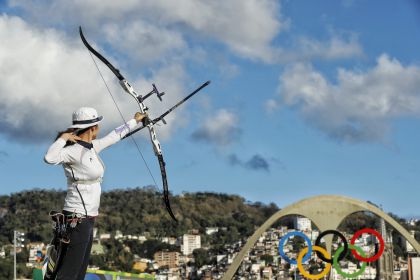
point(333, 232)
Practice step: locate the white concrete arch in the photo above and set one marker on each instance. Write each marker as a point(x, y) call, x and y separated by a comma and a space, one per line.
point(326, 212)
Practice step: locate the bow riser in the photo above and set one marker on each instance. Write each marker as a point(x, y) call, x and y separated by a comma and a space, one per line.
point(153, 137)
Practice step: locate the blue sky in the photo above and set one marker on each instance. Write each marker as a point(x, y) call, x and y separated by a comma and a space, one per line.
point(307, 97)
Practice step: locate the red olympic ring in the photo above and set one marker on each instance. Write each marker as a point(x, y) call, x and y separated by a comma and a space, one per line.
point(378, 236)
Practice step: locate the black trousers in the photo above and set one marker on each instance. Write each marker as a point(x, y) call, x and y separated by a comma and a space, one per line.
point(75, 255)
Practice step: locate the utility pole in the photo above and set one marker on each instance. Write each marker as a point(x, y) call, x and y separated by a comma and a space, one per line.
point(14, 255)
point(17, 239)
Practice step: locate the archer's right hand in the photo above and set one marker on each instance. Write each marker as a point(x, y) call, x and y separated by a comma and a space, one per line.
point(68, 136)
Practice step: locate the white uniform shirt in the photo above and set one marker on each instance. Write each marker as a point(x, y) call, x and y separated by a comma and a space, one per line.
point(84, 169)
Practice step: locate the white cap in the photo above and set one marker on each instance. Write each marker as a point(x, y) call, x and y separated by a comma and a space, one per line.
point(85, 117)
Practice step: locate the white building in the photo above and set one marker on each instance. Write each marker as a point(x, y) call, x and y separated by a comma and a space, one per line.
point(255, 268)
point(104, 236)
point(190, 242)
point(118, 234)
point(409, 247)
point(314, 235)
point(142, 238)
point(414, 268)
point(169, 240)
point(2, 253)
point(412, 222)
point(219, 258)
point(211, 230)
point(302, 224)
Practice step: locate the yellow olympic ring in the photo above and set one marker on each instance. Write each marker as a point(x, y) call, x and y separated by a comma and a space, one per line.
point(303, 271)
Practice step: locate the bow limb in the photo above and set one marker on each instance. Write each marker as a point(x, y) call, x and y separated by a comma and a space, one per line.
point(123, 82)
point(156, 144)
point(101, 57)
point(165, 187)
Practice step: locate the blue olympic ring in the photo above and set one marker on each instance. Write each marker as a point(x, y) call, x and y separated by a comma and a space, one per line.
point(283, 241)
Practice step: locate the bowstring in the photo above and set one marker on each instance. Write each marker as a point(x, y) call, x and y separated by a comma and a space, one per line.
point(122, 117)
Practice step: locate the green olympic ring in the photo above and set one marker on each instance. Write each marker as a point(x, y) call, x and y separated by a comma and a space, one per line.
point(337, 265)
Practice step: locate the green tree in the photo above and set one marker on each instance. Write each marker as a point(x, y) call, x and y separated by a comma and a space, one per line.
point(267, 258)
point(148, 248)
point(6, 269)
point(201, 257)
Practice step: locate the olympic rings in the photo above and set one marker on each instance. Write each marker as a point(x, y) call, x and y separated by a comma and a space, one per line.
point(337, 265)
point(381, 248)
point(283, 241)
point(339, 234)
point(300, 262)
point(341, 252)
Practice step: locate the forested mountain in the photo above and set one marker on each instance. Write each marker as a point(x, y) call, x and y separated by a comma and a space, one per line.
point(134, 211)
point(141, 210)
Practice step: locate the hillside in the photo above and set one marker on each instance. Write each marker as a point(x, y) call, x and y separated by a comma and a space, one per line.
point(140, 211)
point(134, 211)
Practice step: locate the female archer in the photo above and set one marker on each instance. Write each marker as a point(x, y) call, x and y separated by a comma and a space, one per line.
point(77, 149)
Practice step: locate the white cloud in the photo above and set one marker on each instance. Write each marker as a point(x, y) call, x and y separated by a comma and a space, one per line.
point(360, 105)
point(53, 65)
point(145, 42)
point(38, 85)
point(246, 27)
point(306, 49)
point(335, 48)
point(220, 129)
point(271, 105)
point(46, 76)
point(160, 30)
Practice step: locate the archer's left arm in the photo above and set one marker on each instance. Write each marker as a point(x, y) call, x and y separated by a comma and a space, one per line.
point(114, 136)
point(118, 133)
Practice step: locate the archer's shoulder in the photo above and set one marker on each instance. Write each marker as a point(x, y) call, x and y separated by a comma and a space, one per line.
point(73, 149)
